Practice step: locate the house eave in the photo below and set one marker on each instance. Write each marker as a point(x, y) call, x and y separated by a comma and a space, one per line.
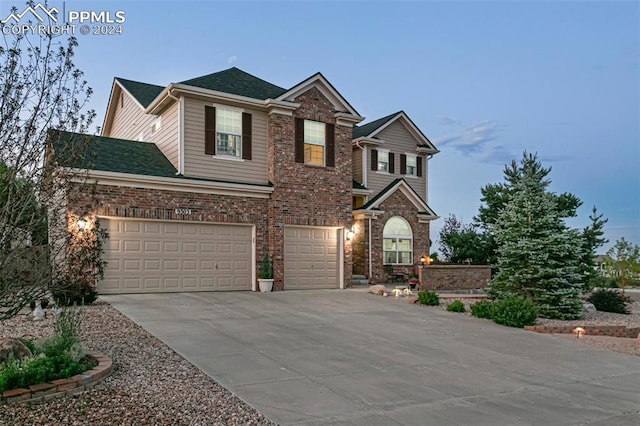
point(365, 140)
point(167, 183)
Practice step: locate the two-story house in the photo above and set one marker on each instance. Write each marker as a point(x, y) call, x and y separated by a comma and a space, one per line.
point(196, 180)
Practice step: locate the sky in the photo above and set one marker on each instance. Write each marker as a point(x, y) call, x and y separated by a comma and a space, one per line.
point(483, 80)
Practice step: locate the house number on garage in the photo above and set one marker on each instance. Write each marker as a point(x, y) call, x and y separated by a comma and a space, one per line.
point(183, 211)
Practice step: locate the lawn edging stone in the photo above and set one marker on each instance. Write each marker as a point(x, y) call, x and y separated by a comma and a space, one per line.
point(592, 330)
point(60, 388)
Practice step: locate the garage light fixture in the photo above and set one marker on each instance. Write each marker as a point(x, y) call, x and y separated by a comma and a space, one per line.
point(82, 224)
point(349, 234)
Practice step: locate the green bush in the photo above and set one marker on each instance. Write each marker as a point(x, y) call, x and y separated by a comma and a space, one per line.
point(428, 298)
point(456, 306)
point(59, 356)
point(40, 369)
point(482, 309)
point(266, 269)
point(607, 300)
point(515, 311)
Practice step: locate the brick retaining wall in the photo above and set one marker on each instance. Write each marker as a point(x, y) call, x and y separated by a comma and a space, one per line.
point(454, 277)
point(60, 388)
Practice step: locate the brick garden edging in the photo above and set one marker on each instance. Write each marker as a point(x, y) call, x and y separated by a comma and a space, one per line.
point(62, 387)
point(592, 330)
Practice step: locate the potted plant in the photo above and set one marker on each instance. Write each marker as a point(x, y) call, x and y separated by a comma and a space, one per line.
point(265, 274)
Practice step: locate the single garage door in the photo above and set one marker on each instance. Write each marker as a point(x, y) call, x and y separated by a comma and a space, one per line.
point(148, 256)
point(310, 258)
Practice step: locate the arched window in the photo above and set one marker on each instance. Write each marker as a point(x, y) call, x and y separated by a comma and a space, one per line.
point(397, 245)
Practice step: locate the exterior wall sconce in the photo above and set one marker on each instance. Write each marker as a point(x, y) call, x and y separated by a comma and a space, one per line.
point(425, 260)
point(349, 234)
point(82, 224)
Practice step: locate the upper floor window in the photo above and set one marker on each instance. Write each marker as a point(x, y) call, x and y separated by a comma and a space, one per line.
point(412, 166)
point(228, 132)
point(314, 142)
point(383, 161)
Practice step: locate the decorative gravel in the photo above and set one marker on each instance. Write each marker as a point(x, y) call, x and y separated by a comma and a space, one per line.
point(617, 344)
point(150, 385)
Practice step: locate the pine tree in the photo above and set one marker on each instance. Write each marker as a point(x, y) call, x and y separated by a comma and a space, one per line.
point(538, 255)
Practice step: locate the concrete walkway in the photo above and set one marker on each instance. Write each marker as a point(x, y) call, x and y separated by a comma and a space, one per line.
point(346, 357)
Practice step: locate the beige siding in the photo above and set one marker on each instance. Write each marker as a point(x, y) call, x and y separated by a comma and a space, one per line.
point(398, 141)
point(129, 119)
point(130, 122)
point(357, 164)
point(167, 138)
point(197, 164)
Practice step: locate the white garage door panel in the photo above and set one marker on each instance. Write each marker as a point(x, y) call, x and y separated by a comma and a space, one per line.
point(310, 258)
point(156, 256)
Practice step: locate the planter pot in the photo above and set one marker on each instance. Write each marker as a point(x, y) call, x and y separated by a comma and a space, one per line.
point(265, 285)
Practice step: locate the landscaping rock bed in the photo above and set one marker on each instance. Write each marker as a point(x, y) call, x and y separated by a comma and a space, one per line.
point(625, 345)
point(150, 383)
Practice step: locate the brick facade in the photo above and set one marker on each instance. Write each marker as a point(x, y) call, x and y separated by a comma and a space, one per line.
point(397, 204)
point(142, 203)
point(304, 194)
point(454, 277)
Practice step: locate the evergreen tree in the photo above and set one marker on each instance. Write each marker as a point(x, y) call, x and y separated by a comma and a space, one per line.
point(592, 239)
point(538, 255)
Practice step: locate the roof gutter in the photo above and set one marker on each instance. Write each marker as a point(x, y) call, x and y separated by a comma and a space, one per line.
point(167, 183)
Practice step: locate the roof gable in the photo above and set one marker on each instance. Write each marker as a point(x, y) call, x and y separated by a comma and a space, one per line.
point(80, 151)
point(399, 185)
point(143, 93)
point(367, 129)
point(322, 84)
point(371, 130)
point(237, 82)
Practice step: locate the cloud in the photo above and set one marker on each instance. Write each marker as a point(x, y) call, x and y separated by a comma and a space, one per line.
point(447, 121)
point(232, 59)
point(472, 138)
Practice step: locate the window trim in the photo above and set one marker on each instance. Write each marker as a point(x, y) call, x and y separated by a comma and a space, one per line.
point(240, 111)
point(396, 237)
point(385, 152)
point(323, 144)
point(414, 156)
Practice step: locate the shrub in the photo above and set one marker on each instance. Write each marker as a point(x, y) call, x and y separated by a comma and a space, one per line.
point(428, 298)
point(40, 369)
point(266, 269)
point(65, 334)
point(482, 309)
point(515, 311)
point(74, 292)
point(456, 306)
point(607, 300)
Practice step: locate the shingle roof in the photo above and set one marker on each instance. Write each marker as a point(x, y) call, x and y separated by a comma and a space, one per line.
point(358, 185)
point(373, 200)
point(237, 82)
point(143, 92)
point(367, 129)
point(109, 154)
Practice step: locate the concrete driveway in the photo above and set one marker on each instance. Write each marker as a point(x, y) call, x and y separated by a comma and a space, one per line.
point(347, 357)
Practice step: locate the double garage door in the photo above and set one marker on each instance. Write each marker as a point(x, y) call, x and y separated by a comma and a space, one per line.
point(152, 256)
point(156, 256)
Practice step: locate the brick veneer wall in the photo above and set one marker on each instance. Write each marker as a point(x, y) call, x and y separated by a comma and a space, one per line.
point(454, 277)
point(397, 204)
point(304, 194)
point(360, 244)
point(141, 203)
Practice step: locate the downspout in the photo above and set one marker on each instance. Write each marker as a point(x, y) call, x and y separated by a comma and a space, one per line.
point(180, 130)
